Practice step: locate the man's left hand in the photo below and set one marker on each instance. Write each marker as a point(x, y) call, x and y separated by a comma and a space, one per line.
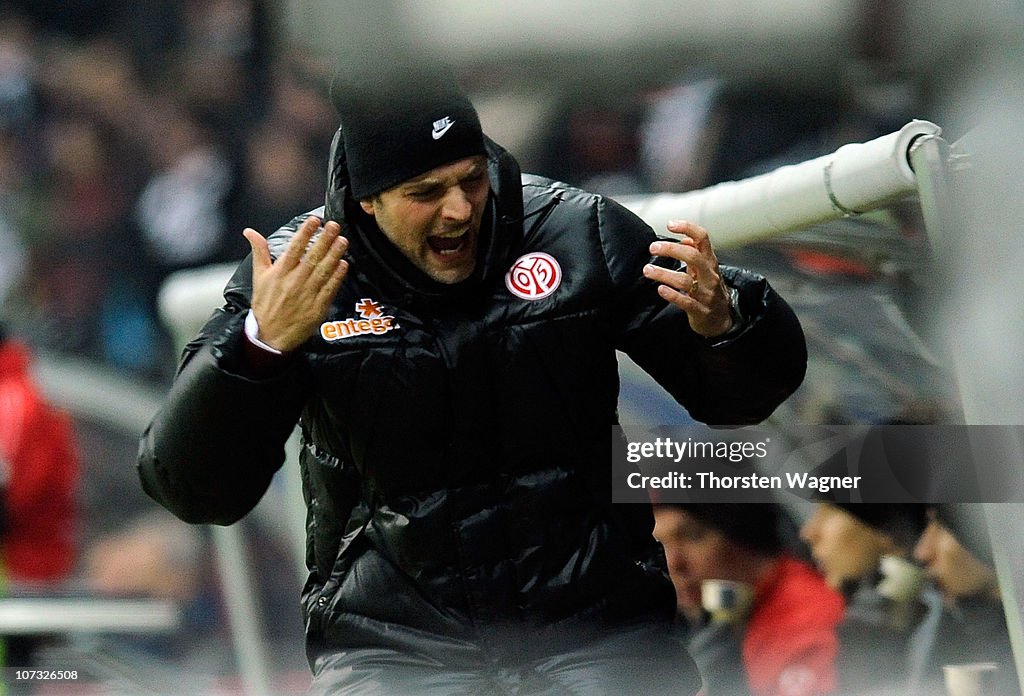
point(699, 289)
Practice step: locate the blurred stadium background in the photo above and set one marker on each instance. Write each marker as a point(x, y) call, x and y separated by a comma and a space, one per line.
point(138, 139)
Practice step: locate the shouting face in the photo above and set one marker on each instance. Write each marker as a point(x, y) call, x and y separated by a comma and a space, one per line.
point(434, 219)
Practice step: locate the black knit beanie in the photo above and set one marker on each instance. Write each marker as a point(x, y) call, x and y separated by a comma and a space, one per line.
point(904, 522)
point(400, 118)
point(757, 526)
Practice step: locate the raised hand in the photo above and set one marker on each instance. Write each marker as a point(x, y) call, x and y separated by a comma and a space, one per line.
point(699, 289)
point(291, 296)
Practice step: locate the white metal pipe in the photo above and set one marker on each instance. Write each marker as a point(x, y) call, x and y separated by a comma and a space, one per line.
point(856, 178)
point(41, 615)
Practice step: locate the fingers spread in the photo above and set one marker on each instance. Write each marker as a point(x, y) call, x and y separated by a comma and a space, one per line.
point(697, 289)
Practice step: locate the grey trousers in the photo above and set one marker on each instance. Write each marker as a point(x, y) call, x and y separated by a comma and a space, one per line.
point(636, 661)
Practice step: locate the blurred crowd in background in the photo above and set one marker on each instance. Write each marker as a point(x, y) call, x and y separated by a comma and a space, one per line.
point(136, 140)
point(139, 139)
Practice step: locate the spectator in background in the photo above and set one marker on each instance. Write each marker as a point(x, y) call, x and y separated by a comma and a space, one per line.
point(297, 97)
point(180, 209)
point(77, 213)
point(705, 130)
point(863, 551)
point(38, 480)
point(279, 170)
point(678, 137)
point(39, 476)
point(594, 144)
point(972, 625)
point(154, 558)
point(778, 641)
point(222, 62)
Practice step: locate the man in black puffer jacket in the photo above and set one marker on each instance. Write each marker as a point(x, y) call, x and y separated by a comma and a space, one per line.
point(446, 342)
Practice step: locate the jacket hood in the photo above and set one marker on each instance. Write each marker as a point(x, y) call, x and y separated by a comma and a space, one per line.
point(500, 230)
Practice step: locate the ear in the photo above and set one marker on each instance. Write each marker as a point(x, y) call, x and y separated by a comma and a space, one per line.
point(367, 206)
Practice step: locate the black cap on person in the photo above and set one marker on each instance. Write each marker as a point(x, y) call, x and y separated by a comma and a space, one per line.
point(401, 118)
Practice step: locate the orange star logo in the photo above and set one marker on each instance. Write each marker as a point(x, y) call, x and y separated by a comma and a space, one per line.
point(368, 309)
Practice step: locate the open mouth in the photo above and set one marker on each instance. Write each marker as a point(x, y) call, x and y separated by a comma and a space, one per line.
point(448, 246)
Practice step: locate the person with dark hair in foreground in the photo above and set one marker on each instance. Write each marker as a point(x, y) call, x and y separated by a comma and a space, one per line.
point(444, 332)
point(756, 619)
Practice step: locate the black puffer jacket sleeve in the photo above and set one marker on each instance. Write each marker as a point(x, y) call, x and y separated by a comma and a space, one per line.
point(210, 452)
point(737, 381)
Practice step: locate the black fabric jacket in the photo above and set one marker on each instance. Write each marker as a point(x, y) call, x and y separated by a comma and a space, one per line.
point(456, 467)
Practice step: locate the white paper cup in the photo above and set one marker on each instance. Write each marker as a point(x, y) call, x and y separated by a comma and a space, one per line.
point(974, 679)
point(901, 579)
point(726, 600)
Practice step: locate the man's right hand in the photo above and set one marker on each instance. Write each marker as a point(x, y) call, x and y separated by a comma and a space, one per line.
point(291, 296)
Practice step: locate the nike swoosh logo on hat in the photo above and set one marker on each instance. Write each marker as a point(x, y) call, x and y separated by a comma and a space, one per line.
point(437, 133)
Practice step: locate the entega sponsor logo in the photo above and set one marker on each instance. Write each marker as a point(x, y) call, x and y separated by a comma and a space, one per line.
point(372, 321)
